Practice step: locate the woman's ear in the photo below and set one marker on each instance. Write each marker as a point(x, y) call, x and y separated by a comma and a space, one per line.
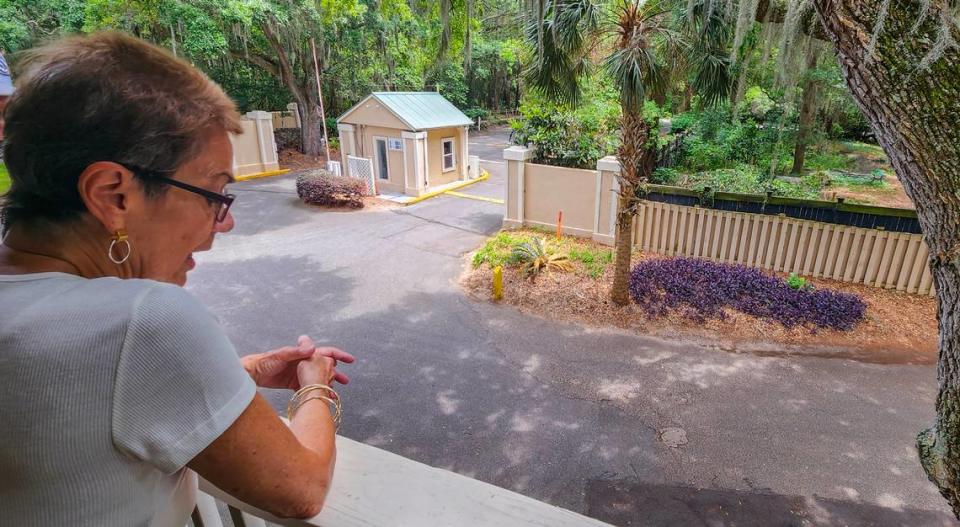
point(106, 189)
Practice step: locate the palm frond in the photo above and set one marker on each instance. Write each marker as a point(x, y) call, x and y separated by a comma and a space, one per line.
point(562, 35)
point(713, 78)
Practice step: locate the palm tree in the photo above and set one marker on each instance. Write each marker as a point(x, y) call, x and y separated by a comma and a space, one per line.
point(636, 35)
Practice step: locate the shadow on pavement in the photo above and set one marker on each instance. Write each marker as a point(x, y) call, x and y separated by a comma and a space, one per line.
point(629, 503)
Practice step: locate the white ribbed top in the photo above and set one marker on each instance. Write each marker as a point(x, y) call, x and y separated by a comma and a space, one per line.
point(108, 388)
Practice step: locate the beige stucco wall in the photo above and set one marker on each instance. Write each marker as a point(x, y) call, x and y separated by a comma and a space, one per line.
point(548, 190)
point(373, 113)
point(435, 156)
point(394, 157)
point(246, 150)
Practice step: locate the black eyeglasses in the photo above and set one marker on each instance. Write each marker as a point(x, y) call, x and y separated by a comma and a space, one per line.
point(222, 201)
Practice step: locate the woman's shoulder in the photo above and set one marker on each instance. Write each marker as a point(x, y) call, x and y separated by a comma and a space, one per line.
point(133, 296)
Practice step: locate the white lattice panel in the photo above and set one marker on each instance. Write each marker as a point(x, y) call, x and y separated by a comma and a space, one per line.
point(362, 169)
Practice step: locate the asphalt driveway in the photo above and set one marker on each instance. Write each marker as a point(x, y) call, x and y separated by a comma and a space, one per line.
point(625, 428)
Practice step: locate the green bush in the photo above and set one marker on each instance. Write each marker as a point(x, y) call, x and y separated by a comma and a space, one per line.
point(748, 179)
point(332, 130)
point(717, 141)
point(683, 122)
point(475, 112)
point(665, 176)
point(799, 283)
point(498, 250)
point(563, 136)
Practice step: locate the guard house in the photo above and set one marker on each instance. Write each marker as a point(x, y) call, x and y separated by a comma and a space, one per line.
point(412, 142)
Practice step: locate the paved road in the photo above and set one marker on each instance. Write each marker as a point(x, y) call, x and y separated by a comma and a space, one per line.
point(490, 142)
point(625, 428)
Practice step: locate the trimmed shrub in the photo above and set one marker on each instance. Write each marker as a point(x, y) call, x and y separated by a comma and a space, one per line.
point(701, 289)
point(319, 187)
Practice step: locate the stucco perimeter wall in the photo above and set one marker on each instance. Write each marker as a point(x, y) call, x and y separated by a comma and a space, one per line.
point(254, 150)
point(549, 190)
point(394, 157)
point(879, 258)
point(246, 152)
point(435, 155)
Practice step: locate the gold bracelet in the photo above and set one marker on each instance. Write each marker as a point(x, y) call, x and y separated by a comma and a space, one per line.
point(296, 403)
point(313, 387)
point(338, 409)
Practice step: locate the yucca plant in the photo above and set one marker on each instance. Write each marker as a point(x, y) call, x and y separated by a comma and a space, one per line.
point(535, 257)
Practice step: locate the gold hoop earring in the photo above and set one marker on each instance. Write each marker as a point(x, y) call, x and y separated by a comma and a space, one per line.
point(120, 238)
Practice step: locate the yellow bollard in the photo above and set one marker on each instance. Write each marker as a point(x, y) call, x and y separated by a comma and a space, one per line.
point(498, 282)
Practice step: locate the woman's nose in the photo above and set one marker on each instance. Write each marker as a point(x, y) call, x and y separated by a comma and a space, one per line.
point(224, 226)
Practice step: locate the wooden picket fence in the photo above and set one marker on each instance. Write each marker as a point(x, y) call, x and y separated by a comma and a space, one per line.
point(891, 260)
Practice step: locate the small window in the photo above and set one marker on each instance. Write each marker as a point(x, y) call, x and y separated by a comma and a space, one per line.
point(449, 157)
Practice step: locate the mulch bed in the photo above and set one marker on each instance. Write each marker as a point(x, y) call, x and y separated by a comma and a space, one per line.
point(294, 160)
point(898, 328)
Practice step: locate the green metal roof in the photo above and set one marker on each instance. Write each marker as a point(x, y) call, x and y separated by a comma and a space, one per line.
point(422, 110)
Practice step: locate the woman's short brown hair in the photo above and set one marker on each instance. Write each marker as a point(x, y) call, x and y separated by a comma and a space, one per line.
point(102, 97)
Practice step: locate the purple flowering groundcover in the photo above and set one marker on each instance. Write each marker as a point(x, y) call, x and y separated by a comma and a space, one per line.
point(700, 289)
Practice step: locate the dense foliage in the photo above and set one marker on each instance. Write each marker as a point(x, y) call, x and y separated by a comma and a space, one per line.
point(469, 50)
point(571, 137)
point(701, 289)
point(319, 187)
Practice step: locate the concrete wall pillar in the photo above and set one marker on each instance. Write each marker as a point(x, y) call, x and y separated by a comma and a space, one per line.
point(463, 154)
point(516, 157)
point(605, 203)
point(295, 110)
point(415, 161)
point(348, 145)
point(266, 143)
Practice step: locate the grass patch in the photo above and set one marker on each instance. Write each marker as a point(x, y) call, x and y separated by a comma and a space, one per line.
point(846, 181)
point(588, 258)
point(865, 149)
point(593, 260)
point(829, 160)
point(4, 179)
point(497, 250)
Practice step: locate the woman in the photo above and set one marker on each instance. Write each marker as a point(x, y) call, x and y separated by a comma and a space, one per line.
point(114, 381)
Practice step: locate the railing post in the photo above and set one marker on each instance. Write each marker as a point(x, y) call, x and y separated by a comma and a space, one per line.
point(516, 157)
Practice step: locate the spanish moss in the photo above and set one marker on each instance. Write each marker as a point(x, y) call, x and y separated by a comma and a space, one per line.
point(878, 28)
point(746, 14)
point(789, 36)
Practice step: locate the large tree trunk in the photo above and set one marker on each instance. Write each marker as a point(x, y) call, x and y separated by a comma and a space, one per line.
point(311, 131)
point(636, 154)
point(808, 109)
point(302, 87)
point(915, 114)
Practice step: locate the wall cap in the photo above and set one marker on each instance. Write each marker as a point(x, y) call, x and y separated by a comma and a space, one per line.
point(609, 164)
point(413, 135)
point(345, 127)
point(258, 115)
point(518, 153)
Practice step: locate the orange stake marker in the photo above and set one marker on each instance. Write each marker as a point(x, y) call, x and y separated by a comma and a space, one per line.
point(559, 224)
